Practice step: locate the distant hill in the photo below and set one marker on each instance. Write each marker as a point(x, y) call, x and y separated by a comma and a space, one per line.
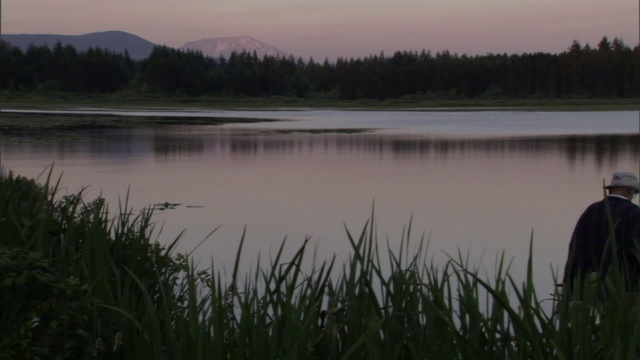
point(117, 41)
point(224, 46)
point(139, 48)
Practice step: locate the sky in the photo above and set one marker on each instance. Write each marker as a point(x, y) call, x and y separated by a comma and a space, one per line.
point(342, 28)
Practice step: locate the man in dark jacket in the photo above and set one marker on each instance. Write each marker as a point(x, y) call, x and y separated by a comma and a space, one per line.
point(590, 250)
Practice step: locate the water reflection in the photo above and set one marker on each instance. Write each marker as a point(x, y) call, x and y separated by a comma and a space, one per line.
point(576, 148)
point(167, 145)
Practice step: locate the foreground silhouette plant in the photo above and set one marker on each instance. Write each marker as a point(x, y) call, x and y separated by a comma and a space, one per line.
point(78, 282)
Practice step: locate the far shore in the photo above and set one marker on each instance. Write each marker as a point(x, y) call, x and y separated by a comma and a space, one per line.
point(67, 101)
point(17, 121)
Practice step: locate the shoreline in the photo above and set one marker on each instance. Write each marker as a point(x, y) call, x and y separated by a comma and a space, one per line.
point(416, 103)
point(79, 117)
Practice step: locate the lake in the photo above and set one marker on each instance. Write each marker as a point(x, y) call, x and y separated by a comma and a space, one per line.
point(481, 182)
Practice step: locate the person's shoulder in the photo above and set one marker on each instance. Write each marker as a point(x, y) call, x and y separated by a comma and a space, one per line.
point(634, 207)
point(594, 208)
point(619, 201)
point(630, 207)
point(598, 203)
point(613, 202)
point(634, 212)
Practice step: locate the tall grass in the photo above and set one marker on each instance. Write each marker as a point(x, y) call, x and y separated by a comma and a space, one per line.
point(80, 282)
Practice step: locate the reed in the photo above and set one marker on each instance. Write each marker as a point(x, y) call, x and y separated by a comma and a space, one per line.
point(81, 282)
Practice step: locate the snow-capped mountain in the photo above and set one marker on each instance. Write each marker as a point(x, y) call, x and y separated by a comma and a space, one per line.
point(224, 46)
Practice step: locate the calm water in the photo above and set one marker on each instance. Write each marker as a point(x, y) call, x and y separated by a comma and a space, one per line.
point(482, 182)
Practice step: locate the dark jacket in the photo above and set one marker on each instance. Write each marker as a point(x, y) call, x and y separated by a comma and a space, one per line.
point(590, 248)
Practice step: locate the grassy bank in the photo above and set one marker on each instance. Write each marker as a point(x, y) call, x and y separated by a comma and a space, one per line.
point(58, 127)
point(421, 102)
point(57, 121)
point(80, 280)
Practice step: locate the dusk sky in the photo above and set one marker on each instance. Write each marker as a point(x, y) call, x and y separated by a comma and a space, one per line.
point(348, 28)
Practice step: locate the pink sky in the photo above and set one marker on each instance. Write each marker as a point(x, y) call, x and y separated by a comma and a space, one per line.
point(349, 28)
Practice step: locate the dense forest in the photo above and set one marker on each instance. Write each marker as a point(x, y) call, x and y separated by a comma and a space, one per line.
point(609, 70)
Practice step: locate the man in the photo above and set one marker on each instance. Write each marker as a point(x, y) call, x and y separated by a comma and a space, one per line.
point(590, 249)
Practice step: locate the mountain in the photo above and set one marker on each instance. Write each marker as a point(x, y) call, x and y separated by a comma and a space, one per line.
point(139, 48)
point(224, 46)
point(116, 41)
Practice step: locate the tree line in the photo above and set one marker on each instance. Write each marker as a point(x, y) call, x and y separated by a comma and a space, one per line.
point(609, 70)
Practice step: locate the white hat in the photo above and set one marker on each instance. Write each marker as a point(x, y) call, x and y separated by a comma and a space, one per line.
point(620, 179)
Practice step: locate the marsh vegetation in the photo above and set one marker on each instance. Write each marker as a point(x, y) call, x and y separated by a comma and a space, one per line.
point(80, 280)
